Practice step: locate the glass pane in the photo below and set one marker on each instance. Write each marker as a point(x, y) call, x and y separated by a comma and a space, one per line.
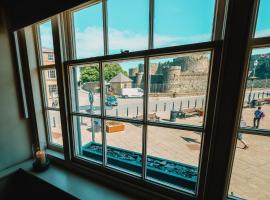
point(88, 28)
point(55, 129)
point(85, 82)
point(178, 87)
point(88, 137)
point(124, 148)
point(179, 22)
point(256, 107)
point(128, 25)
point(46, 40)
point(251, 169)
point(263, 20)
point(124, 88)
point(173, 156)
point(51, 88)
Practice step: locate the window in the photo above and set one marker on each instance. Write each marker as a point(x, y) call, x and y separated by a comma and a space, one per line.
point(251, 157)
point(49, 85)
point(52, 74)
point(52, 89)
point(250, 172)
point(136, 113)
point(50, 57)
point(141, 90)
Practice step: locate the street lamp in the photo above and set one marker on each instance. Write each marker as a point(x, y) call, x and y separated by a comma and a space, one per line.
point(252, 79)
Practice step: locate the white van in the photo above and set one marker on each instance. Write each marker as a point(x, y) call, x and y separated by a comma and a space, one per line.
point(131, 92)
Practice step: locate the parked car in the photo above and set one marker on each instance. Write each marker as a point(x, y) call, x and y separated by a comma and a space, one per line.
point(131, 92)
point(111, 101)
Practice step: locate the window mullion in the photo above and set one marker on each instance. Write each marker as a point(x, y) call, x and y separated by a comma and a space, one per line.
point(151, 24)
point(145, 114)
point(104, 141)
point(105, 27)
point(57, 43)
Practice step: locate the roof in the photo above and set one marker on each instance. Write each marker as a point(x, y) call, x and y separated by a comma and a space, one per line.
point(120, 78)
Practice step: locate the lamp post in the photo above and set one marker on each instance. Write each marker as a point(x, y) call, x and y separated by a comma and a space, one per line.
point(252, 79)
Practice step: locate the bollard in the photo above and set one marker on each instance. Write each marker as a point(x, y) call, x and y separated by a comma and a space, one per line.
point(188, 104)
point(137, 110)
point(173, 106)
point(156, 107)
point(54, 124)
point(181, 105)
point(195, 103)
point(164, 106)
point(202, 102)
point(258, 95)
point(127, 111)
point(253, 96)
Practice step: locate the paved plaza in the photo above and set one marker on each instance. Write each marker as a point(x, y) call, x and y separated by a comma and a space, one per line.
point(251, 171)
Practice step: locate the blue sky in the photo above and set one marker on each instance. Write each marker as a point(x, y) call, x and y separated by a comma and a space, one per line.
point(176, 22)
point(263, 20)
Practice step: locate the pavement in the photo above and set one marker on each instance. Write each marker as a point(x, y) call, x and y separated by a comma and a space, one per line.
point(251, 170)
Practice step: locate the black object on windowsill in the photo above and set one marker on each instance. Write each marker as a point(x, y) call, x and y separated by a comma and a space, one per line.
point(40, 167)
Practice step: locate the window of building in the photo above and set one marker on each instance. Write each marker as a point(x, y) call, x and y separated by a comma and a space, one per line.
point(52, 74)
point(250, 173)
point(50, 57)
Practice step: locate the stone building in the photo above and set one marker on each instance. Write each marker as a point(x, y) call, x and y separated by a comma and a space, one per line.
point(118, 82)
point(189, 78)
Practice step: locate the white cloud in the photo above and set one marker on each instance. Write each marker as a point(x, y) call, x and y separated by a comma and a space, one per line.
point(89, 42)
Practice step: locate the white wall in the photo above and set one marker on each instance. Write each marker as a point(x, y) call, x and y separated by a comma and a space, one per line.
point(15, 140)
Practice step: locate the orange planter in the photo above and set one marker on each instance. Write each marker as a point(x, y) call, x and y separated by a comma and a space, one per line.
point(112, 127)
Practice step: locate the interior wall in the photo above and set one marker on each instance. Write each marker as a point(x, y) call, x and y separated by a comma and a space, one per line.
point(15, 133)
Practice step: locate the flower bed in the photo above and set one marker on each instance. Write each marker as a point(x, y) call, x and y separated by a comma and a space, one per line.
point(175, 173)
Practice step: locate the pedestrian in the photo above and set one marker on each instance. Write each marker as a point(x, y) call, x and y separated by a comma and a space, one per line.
point(258, 114)
point(240, 135)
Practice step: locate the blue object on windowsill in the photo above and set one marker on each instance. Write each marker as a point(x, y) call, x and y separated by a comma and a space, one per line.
point(175, 173)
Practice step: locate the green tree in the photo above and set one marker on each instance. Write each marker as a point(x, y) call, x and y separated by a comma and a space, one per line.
point(112, 69)
point(91, 73)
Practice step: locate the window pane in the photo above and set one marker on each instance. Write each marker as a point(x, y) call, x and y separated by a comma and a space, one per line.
point(51, 89)
point(54, 125)
point(124, 88)
point(128, 25)
point(251, 169)
point(178, 87)
point(88, 137)
point(85, 82)
point(46, 40)
point(124, 148)
point(88, 28)
point(179, 22)
point(263, 20)
point(257, 93)
point(173, 156)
